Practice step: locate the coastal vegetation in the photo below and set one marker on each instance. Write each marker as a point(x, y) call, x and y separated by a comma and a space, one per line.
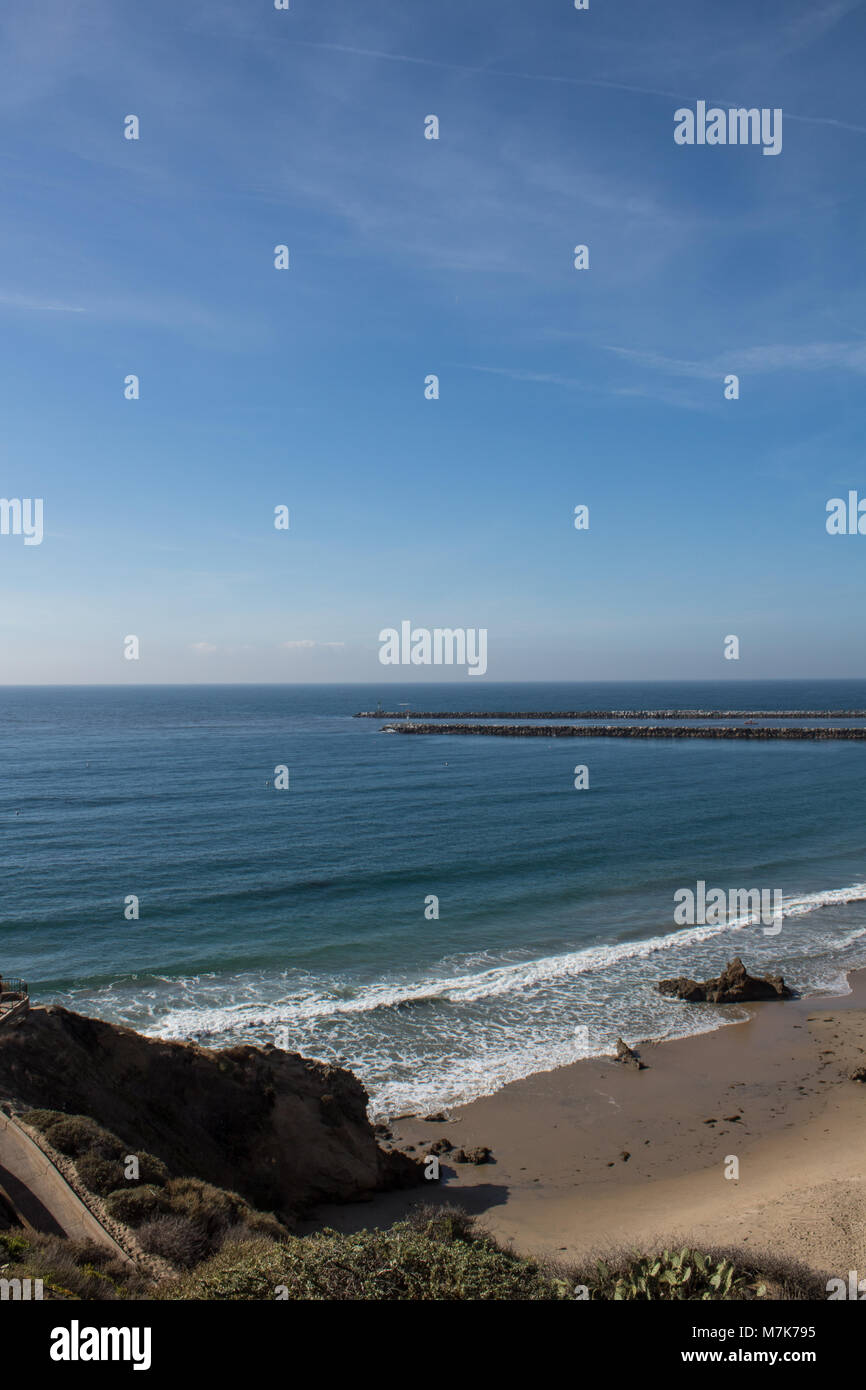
point(439, 1253)
point(436, 1254)
point(179, 1219)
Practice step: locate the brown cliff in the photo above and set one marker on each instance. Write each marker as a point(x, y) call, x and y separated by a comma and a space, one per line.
point(283, 1131)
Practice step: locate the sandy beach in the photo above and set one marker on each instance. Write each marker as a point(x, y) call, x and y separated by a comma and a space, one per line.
point(599, 1154)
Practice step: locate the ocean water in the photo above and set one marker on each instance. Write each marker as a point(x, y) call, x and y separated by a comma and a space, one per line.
point(298, 916)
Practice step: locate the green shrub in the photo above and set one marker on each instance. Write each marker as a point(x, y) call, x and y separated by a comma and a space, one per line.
point(177, 1239)
point(133, 1205)
point(76, 1269)
point(444, 1223)
point(76, 1135)
point(12, 1245)
point(99, 1175)
point(152, 1170)
point(79, 1137)
point(41, 1119)
point(216, 1210)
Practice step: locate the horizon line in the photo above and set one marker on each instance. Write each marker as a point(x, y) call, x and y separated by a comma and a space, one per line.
point(425, 684)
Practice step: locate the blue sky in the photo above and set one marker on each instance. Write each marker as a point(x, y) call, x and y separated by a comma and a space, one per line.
point(409, 257)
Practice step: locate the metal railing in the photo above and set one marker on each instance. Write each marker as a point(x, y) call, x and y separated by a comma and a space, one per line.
point(11, 985)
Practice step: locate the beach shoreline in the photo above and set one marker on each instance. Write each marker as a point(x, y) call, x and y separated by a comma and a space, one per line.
point(597, 1154)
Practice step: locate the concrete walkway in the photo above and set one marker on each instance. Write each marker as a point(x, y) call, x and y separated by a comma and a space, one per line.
point(41, 1195)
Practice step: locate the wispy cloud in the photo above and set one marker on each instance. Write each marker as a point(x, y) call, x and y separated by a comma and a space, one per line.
point(662, 395)
point(37, 305)
point(175, 313)
point(814, 22)
point(776, 357)
point(307, 642)
point(569, 80)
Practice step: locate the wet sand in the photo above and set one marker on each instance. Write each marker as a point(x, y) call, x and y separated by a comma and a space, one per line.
point(599, 1154)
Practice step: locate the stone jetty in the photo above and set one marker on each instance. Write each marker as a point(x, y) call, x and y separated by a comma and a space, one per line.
point(748, 731)
point(619, 714)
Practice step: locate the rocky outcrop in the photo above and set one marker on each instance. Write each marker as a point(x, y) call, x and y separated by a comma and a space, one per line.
point(734, 986)
point(480, 1155)
point(283, 1131)
point(626, 1054)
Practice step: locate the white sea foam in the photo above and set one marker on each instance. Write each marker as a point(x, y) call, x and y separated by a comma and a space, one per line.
point(463, 1031)
point(496, 981)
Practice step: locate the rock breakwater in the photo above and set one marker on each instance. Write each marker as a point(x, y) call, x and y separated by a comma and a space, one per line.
point(748, 731)
point(619, 714)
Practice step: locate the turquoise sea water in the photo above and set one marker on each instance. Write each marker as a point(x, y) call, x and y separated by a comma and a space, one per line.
point(298, 916)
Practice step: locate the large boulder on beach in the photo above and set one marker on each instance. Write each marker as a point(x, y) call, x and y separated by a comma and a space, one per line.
point(734, 986)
